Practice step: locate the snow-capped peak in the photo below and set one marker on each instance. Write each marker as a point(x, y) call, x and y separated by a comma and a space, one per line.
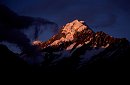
point(69, 31)
point(75, 26)
point(75, 35)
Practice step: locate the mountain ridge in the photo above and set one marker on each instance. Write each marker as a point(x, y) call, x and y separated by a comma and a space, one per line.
point(83, 50)
point(71, 34)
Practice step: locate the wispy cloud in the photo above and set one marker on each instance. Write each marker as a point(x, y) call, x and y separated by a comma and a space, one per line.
point(11, 25)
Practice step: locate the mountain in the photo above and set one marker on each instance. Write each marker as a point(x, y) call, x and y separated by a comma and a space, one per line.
point(78, 48)
point(75, 48)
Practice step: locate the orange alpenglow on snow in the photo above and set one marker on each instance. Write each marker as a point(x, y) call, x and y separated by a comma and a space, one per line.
point(76, 34)
point(36, 43)
point(69, 30)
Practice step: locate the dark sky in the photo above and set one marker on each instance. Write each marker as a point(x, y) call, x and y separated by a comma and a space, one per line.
point(110, 16)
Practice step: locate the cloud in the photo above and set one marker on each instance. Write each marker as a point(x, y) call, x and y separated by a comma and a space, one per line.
point(11, 25)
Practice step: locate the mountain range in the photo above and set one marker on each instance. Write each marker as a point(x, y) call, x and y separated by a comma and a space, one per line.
point(74, 48)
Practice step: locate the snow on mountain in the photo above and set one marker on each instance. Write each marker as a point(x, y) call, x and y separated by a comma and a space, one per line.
point(69, 31)
point(70, 47)
point(34, 43)
point(75, 36)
